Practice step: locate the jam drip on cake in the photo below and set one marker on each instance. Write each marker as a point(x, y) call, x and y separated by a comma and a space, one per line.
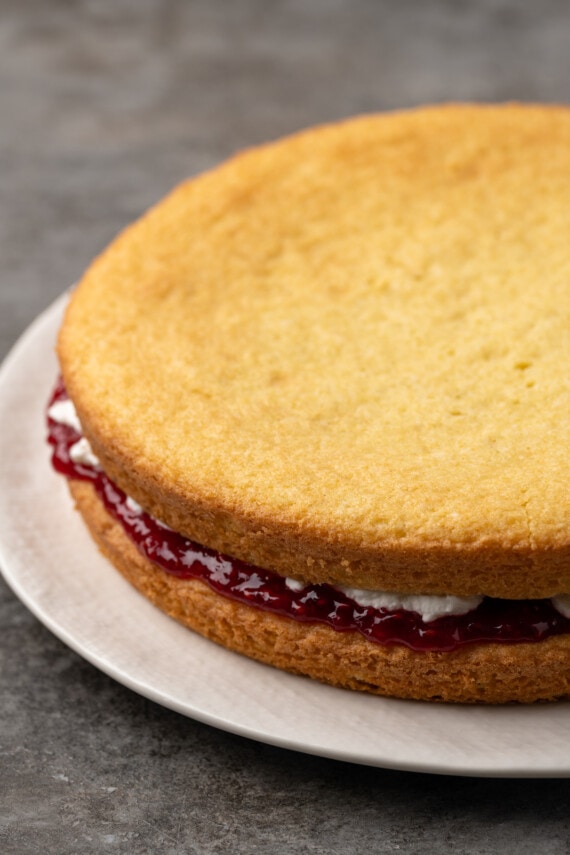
point(494, 620)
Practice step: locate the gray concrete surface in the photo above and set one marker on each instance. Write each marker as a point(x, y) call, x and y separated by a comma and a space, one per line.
point(103, 107)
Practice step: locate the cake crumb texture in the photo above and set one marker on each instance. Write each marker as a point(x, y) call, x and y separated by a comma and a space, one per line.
point(345, 355)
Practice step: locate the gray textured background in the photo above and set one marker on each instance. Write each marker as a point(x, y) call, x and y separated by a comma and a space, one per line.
point(103, 107)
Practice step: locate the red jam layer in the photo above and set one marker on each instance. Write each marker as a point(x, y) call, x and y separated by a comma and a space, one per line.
point(494, 620)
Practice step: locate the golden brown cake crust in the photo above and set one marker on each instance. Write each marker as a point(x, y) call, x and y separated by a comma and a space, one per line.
point(344, 356)
point(489, 673)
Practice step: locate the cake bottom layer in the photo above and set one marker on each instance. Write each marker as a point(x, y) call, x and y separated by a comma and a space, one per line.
point(478, 673)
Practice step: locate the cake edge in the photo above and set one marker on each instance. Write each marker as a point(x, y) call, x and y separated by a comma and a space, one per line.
point(489, 673)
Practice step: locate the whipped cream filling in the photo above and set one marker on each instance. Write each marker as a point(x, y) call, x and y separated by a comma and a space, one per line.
point(133, 506)
point(64, 413)
point(562, 604)
point(429, 607)
point(82, 453)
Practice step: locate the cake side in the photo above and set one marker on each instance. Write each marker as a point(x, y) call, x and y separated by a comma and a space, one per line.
point(484, 673)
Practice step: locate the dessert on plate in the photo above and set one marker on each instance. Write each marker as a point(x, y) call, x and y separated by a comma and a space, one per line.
point(314, 405)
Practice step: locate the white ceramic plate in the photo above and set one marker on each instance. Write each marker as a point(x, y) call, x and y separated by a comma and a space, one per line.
point(50, 562)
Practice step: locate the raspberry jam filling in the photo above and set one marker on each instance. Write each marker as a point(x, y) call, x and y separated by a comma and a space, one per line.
point(494, 620)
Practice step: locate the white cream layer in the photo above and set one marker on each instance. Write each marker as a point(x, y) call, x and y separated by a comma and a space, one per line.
point(562, 604)
point(428, 606)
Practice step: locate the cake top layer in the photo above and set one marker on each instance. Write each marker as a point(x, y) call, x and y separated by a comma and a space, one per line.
point(346, 354)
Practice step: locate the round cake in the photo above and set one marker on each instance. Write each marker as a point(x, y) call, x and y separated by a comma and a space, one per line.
point(340, 363)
